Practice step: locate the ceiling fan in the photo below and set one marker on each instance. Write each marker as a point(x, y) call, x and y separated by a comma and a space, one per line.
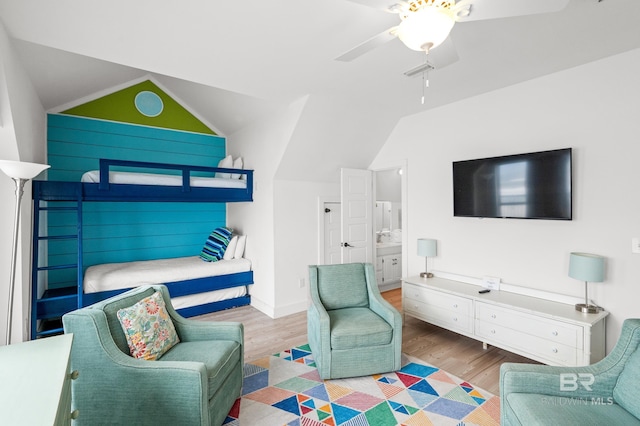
point(425, 24)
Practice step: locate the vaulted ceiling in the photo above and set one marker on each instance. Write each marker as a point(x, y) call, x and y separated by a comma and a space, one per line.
point(234, 62)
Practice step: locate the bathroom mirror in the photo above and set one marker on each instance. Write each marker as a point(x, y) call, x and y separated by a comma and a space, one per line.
point(383, 216)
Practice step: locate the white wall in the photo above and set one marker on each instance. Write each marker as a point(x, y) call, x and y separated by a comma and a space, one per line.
point(262, 145)
point(593, 109)
point(22, 137)
point(296, 227)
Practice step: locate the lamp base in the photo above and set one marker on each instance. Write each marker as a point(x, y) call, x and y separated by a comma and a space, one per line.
point(588, 309)
point(426, 275)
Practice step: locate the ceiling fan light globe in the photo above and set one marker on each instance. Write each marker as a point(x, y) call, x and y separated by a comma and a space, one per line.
point(426, 28)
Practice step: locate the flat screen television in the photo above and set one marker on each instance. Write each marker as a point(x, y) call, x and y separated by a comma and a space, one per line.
point(535, 185)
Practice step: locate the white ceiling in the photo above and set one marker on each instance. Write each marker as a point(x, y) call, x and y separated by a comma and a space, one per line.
point(235, 61)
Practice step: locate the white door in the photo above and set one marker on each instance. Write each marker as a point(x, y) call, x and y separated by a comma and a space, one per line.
point(332, 229)
point(357, 215)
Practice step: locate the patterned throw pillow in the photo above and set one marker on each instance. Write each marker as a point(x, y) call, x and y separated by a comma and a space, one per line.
point(216, 244)
point(148, 327)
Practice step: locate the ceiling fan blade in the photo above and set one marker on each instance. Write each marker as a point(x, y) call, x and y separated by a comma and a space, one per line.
point(391, 6)
point(368, 45)
point(492, 9)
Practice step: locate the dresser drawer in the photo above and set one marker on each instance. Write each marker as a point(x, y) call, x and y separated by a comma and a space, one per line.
point(535, 347)
point(553, 331)
point(451, 319)
point(461, 305)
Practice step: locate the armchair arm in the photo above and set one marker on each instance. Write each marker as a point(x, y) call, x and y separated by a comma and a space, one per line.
point(192, 330)
point(377, 303)
point(318, 325)
point(576, 382)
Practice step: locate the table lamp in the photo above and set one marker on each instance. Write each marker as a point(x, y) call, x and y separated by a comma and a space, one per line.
point(586, 267)
point(20, 172)
point(427, 247)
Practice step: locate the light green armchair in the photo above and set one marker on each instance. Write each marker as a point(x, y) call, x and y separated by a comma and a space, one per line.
point(195, 383)
point(352, 330)
point(604, 393)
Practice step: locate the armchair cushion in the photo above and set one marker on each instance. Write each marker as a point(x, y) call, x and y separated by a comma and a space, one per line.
point(220, 357)
point(625, 392)
point(344, 287)
point(537, 409)
point(148, 328)
point(358, 327)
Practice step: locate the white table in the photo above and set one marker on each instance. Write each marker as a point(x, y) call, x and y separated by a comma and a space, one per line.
point(35, 387)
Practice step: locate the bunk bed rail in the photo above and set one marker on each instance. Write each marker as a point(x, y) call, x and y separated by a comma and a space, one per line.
point(107, 191)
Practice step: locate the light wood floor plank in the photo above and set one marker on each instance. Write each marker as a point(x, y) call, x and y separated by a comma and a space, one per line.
point(456, 354)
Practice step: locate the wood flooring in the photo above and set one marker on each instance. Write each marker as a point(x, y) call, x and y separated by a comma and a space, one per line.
point(456, 354)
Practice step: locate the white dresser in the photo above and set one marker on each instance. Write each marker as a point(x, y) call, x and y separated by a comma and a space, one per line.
point(547, 331)
point(35, 383)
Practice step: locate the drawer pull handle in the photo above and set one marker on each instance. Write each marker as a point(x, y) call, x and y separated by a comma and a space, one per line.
point(455, 318)
point(74, 414)
point(554, 350)
point(455, 305)
point(74, 374)
point(493, 316)
point(493, 332)
point(555, 333)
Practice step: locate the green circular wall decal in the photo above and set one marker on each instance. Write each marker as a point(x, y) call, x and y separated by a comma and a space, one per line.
point(149, 104)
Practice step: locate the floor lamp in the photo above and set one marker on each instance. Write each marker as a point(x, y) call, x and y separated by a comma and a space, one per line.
point(21, 172)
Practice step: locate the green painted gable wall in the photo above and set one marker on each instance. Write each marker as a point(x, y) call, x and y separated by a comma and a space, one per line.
point(120, 106)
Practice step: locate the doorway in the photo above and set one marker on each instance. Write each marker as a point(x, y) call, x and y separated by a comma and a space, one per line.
point(329, 225)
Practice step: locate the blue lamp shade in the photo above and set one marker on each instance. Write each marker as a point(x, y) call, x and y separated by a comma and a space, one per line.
point(427, 247)
point(586, 267)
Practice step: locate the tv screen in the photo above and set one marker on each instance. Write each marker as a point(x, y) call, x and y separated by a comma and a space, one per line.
point(536, 185)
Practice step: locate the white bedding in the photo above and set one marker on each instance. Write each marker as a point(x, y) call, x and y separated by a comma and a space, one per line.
point(114, 276)
point(93, 176)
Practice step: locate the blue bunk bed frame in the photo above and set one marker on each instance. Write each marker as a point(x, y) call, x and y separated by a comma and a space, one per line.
point(57, 302)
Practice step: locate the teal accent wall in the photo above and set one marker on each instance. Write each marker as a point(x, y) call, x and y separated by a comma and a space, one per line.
point(123, 231)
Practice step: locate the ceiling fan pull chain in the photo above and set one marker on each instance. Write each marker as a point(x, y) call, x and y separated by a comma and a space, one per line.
point(425, 81)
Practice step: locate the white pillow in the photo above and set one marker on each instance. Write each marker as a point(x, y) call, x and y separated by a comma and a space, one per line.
point(242, 240)
point(230, 252)
point(237, 164)
point(227, 163)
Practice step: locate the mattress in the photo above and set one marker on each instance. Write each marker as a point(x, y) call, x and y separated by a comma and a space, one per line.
point(131, 178)
point(115, 276)
point(207, 297)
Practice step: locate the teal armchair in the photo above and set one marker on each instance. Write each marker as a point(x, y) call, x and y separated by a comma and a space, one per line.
point(352, 330)
point(604, 393)
point(195, 383)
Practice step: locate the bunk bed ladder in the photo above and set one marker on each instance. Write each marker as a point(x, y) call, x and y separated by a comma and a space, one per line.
point(47, 309)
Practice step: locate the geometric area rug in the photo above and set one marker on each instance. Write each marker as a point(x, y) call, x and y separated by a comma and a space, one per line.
point(286, 389)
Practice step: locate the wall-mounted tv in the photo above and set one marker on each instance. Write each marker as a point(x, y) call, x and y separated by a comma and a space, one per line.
point(535, 185)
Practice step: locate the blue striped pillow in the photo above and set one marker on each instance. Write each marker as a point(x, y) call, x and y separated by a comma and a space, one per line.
point(216, 244)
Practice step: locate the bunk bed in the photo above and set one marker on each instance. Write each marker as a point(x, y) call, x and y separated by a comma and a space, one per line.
point(126, 181)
